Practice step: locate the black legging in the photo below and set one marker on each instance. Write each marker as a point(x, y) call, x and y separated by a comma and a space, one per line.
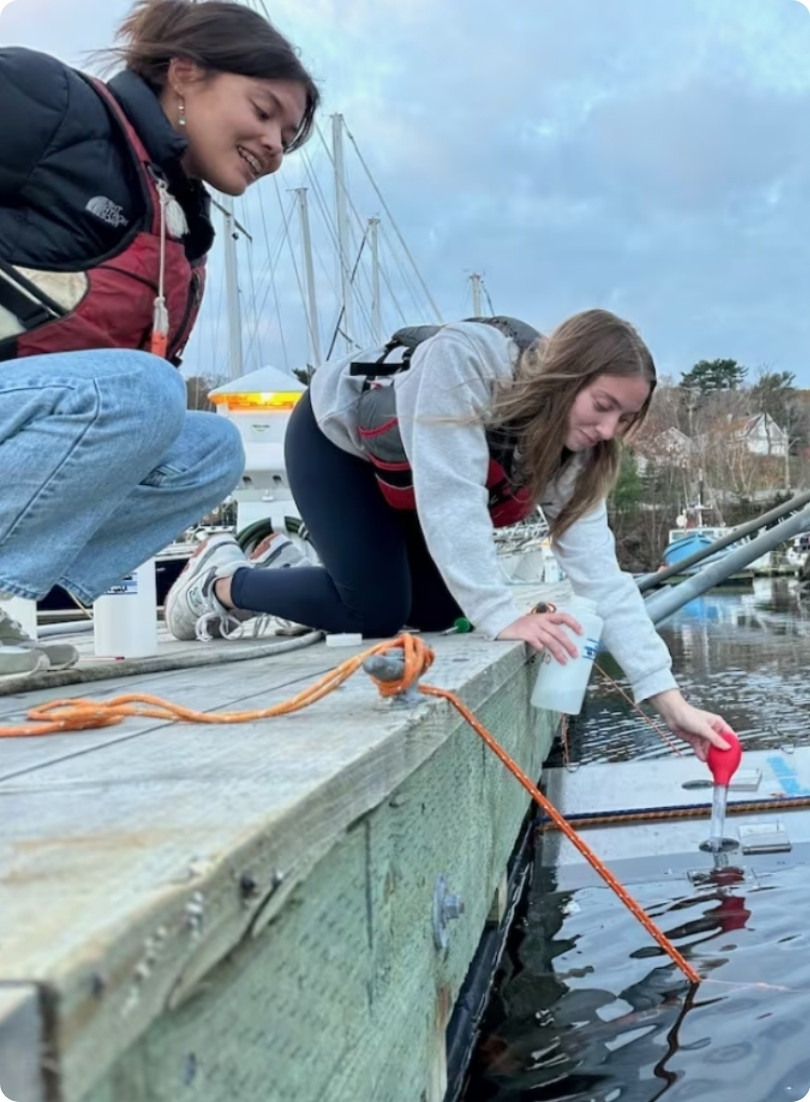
point(377, 574)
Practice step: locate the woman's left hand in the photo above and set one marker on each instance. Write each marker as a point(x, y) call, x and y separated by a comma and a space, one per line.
point(698, 728)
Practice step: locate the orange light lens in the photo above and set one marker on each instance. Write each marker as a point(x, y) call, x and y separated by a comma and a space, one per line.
point(269, 400)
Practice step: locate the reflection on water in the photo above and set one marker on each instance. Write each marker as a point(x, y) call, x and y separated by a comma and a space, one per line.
point(744, 654)
point(586, 1008)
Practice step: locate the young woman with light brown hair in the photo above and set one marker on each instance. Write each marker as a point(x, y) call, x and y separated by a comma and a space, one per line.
point(401, 462)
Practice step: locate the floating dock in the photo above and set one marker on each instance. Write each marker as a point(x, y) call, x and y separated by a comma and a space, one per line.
point(647, 819)
point(281, 910)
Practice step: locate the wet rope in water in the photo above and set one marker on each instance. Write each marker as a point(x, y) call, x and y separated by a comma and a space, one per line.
point(663, 734)
point(417, 658)
point(690, 811)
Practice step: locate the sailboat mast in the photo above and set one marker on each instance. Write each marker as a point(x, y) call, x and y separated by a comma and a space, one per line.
point(235, 366)
point(342, 220)
point(376, 313)
point(312, 311)
point(475, 280)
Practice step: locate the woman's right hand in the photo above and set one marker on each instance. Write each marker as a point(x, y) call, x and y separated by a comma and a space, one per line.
point(542, 631)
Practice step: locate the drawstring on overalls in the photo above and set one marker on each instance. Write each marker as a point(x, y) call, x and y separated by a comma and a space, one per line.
point(159, 339)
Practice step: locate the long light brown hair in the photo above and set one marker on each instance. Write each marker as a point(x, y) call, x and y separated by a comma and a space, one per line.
point(534, 408)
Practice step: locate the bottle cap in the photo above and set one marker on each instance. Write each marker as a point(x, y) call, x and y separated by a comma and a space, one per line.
point(723, 764)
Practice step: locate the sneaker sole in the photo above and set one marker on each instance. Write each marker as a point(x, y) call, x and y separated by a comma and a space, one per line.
point(60, 655)
point(39, 665)
point(178, 591)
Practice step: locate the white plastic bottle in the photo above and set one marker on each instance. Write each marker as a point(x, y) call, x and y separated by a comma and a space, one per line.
point(561, 688)
point(125, 617)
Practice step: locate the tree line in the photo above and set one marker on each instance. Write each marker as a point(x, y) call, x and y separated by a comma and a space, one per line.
point(695, 450)
point(689, 453)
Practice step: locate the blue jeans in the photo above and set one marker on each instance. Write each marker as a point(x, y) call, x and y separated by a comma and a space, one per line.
point(102, 465)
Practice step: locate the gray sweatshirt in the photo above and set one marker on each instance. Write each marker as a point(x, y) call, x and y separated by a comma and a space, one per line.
point(442, 400)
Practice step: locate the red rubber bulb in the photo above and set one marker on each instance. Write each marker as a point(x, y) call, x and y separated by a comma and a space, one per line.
point(724, 763)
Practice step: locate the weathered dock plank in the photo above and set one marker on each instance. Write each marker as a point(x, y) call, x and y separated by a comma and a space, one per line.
point(214, 688)
point(247, 908)
point(23, 1059)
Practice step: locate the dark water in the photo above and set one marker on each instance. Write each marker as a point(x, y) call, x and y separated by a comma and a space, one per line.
point(585, 1008)
point(744, 654)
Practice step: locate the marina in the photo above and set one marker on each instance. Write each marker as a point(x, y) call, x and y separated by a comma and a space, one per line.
point(244, 859)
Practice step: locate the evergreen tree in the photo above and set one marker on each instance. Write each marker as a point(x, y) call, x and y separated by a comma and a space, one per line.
point(709, 375)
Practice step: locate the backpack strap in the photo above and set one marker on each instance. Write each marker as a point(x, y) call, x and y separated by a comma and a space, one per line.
point(411, 336)
point(519, 331)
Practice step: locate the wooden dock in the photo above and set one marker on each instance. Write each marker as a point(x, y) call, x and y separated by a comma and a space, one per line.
point(255, 911)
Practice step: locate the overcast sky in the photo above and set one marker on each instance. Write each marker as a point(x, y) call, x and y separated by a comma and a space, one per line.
point(646, 157)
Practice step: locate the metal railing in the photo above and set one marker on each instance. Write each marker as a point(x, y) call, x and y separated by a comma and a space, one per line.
point(664, 602)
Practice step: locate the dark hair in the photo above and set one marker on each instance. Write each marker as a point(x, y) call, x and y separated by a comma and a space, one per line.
point(220, 36)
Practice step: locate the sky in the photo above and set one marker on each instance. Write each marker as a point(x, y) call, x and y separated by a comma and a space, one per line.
point(649, 158)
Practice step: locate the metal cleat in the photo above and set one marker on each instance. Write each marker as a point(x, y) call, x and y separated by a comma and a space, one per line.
point(389, 667)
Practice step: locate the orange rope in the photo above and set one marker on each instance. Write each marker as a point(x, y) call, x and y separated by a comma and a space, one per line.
point(550, 810)
point(659, 730)
point(81, 715)
point(703, 811)
point(564, 737)
point(74, 715)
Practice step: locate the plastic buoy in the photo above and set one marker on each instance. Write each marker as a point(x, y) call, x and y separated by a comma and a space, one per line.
point(723, 764)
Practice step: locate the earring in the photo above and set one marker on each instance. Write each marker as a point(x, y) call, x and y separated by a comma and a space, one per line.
point(181, 110)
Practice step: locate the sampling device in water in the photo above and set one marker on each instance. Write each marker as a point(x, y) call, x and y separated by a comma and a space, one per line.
point(723, 764)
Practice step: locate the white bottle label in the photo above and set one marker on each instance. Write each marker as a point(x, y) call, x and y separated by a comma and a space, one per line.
point(127, 587)
point(589, 648)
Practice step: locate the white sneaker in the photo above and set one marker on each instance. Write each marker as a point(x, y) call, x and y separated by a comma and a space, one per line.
point(192, 610)
point(58, 656)
point(18, 661)
point(277, 550)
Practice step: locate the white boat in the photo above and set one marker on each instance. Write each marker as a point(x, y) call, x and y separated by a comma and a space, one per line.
point(525, 554)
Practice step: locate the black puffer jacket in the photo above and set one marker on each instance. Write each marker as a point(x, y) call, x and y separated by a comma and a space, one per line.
point(69, 192)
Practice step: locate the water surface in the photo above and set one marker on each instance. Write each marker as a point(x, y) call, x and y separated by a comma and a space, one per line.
point(586, 1009)
point(744, 654)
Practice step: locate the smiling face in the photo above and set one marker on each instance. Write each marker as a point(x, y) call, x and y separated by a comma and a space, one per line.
point(602, 409)
point(237, 127)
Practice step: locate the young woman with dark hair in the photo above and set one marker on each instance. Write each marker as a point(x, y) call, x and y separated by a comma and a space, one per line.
point(104, 231)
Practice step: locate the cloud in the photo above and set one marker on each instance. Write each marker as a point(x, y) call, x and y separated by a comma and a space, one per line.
point(646, 157)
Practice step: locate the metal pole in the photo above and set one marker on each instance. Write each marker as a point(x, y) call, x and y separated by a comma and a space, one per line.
point(665, 602)
point(652, 581)
point(235, 366)
point(337, 330)
point(312, 311)
point(376, 306)
point(787, 460)
point(475, 279)
point(342, 220)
